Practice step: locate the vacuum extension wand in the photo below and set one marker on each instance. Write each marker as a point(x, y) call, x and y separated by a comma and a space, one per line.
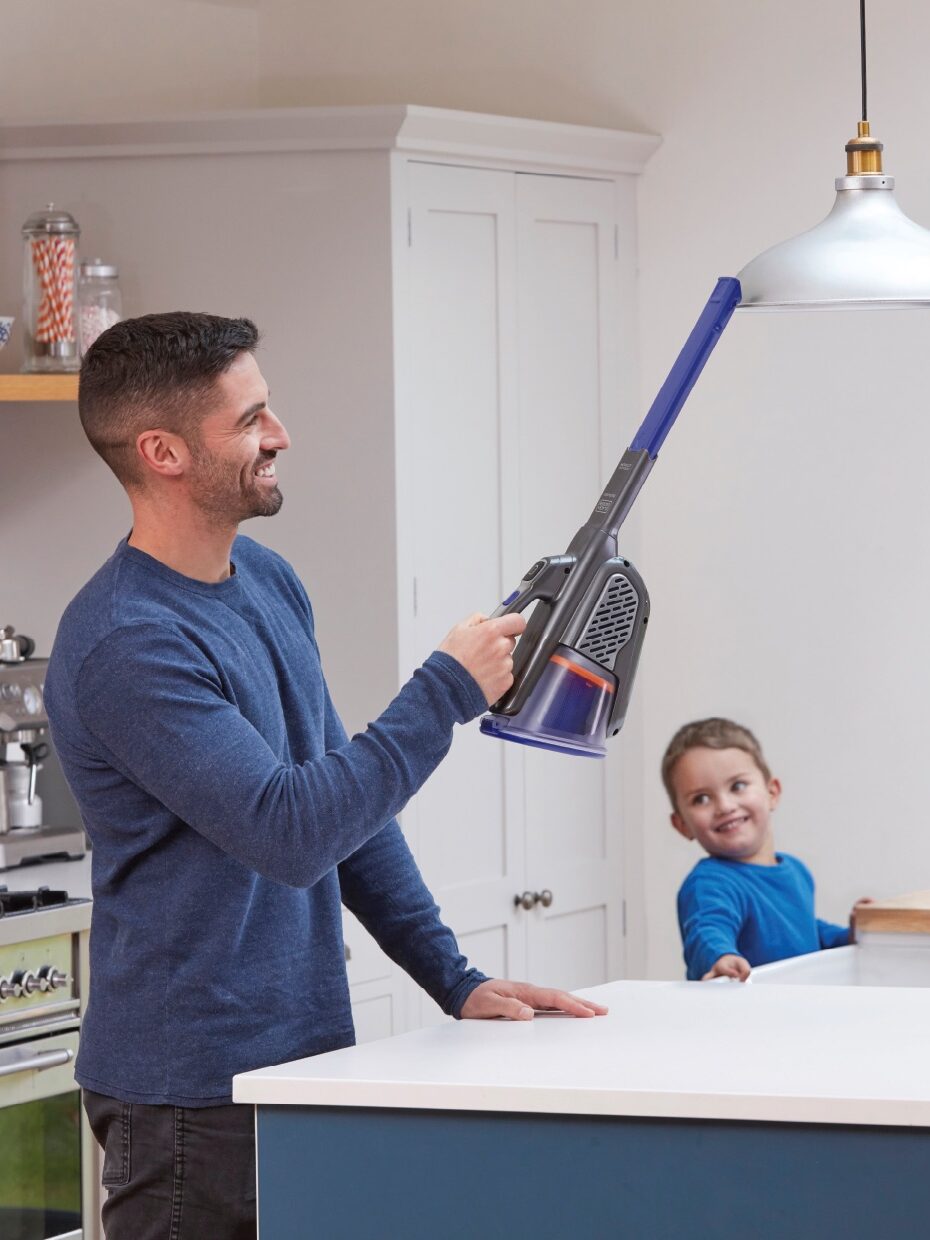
point(575, 663)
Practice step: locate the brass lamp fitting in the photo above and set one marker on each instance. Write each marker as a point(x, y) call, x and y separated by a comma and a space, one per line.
point(863, 153)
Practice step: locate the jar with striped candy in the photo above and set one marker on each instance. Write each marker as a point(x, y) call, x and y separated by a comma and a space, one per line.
point(49, 277)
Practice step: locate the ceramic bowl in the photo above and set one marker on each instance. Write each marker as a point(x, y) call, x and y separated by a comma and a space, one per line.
point(6, 327)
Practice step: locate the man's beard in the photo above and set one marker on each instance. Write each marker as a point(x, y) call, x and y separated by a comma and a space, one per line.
point(218, 491)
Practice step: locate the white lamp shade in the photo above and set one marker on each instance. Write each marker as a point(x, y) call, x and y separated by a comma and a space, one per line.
point(865, 255)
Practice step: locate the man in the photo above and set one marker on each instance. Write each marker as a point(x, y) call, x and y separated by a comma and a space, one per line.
point(228, 811)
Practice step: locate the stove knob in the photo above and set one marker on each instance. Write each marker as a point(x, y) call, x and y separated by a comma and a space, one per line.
point(51, 979)
point(7, 989)
point(32, 700)
point(30, 983)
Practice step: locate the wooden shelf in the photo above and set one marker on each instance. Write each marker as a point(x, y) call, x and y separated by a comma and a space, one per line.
point(38, 387)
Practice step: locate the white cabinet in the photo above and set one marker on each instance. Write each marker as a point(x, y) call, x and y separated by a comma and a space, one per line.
point(447, 304)
point(377, 1001)
point(512, 377)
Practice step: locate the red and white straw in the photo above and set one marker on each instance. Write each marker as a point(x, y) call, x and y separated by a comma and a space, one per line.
point(53, 258)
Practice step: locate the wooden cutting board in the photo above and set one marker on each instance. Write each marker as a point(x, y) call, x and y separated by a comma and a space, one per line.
point(909, 914)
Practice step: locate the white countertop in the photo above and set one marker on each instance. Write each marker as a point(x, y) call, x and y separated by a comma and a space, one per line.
point(809, 1054)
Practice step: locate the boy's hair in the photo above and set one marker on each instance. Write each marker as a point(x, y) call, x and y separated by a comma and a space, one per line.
point(157, 371)
point(710, 734)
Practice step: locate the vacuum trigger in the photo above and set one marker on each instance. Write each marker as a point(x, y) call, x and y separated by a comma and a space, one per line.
point(542, 580)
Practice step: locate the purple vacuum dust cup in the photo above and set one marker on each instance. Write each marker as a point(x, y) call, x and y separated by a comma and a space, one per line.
point(567, 711)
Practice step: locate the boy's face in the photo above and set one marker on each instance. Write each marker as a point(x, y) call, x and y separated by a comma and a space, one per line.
point(723, 801)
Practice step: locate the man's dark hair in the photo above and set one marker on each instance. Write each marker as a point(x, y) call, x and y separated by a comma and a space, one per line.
point(155, 371)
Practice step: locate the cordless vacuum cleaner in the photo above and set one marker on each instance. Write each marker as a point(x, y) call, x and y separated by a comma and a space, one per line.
point(575, 662)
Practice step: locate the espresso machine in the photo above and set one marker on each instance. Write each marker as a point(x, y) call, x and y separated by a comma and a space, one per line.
point(24, 836)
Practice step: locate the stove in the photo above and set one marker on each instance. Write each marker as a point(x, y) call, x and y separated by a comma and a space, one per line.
point(42, 979)
point(13, 902)
point(43, 993)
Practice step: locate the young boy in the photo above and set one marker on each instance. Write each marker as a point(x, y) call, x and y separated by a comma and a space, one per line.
point(744, 904)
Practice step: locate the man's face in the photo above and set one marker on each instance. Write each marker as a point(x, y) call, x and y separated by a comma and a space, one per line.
point(232, 474)
point(724, 802)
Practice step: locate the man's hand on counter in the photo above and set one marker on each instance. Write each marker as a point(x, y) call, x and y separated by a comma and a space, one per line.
point(519, 1001)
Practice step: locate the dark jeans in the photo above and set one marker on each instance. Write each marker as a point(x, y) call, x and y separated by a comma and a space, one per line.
point(175, 1173)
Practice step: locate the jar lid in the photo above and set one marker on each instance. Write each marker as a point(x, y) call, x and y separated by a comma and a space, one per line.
point(51, 220)
point(97, 267)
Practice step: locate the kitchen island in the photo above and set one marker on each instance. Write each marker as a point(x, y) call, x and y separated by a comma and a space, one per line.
point(752, 1112)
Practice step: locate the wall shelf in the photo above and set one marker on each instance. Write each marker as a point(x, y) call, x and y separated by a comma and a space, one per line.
point(38, 387)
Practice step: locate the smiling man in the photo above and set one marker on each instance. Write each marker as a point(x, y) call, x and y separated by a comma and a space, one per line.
point(229, 813)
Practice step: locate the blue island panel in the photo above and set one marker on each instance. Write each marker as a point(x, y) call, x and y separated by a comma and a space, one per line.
point(331, 1173)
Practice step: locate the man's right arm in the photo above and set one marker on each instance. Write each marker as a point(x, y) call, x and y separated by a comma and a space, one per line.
point(155, 702)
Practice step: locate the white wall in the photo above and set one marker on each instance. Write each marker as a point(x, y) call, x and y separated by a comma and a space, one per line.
point(115, 58)
point(785, 528)
point(189, 234)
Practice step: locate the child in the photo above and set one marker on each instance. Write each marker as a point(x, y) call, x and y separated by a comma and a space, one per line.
point(744, 904)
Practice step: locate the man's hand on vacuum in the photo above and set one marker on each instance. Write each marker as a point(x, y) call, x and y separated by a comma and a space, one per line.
point(485, 649)
point(519, 1000)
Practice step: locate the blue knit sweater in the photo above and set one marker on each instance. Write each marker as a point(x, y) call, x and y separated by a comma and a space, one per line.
point(759, 912)
point(229, 816)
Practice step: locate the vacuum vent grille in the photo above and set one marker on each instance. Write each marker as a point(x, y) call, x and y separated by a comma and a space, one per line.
point(611, 623)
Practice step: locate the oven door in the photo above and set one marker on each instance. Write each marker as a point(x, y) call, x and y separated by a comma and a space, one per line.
point(42, 1133)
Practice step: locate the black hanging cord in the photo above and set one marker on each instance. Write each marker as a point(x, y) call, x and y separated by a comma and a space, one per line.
point(865, 115)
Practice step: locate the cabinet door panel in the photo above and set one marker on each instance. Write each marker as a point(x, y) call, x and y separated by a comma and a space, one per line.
point(373, 1018)
point(461, 514)
point(568, 948)
point(568, 323)
point(365, 961)
point(490, 949)
point(560, 343)
point(377, 987)
point(509, 346)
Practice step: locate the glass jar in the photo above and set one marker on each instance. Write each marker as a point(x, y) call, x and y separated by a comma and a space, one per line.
point(99, 302)
point(49, 268)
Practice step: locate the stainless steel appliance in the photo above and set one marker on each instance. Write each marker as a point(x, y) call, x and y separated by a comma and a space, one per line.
point(24, 836)
point(47, 1167)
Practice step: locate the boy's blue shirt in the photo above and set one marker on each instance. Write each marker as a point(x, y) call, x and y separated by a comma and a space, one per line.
point(760, 912)
point(229, 816)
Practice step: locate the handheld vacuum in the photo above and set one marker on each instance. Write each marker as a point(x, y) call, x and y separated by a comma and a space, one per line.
point(574, 664)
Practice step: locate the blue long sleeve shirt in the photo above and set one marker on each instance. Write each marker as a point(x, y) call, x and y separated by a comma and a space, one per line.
point(230, 816)
point(760, 912)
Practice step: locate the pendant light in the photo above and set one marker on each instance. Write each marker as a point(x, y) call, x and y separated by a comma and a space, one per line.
point(865, 255)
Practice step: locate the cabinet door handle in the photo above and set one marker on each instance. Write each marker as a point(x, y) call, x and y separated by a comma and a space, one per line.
point(529, 899)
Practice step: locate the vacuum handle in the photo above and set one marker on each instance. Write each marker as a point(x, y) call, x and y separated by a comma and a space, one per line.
point(618, 496)
point(542, 580)
point(690, 362)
